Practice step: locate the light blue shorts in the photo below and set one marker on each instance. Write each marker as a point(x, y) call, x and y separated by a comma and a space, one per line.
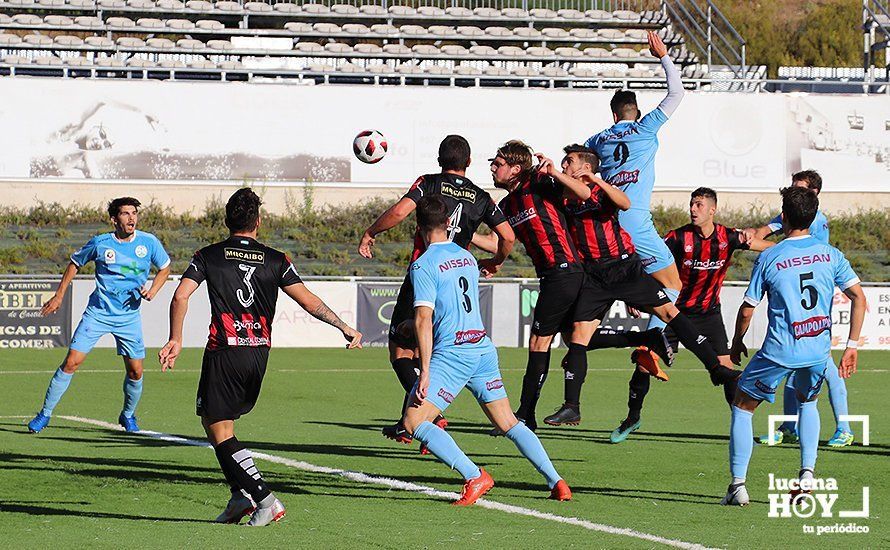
point(128, 335)
point(654, 254)
point(761, 378)
point(452, 371)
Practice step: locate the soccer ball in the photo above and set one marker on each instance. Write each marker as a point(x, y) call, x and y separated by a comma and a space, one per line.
point(369, 146)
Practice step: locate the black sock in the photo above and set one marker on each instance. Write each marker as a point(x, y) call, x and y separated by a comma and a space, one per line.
point(237, 462)
point(406, 371)
point(608, 338)
point(694, 341)
point(729, 389)
point(535, 374)
point(638, 388)
point(576, 372)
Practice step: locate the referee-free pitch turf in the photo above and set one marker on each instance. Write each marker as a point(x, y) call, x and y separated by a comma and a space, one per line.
point(78, 485)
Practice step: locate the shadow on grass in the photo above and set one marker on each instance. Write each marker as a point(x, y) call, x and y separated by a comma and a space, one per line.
point(34, 510)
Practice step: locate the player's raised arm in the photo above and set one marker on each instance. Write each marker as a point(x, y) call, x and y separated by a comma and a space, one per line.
point(178, 308)
point(389, 219)
point(675, 90)
point(315, 307)
point(53, 304)
point(617, 196)
point(573, 188)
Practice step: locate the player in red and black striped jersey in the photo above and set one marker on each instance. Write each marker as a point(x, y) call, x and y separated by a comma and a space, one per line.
point(702, 251)
point(469, 206)
point(243, 278)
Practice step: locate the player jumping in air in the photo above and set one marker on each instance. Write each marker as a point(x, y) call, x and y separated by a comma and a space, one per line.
point(243, 277)
point(837, 388)
point(627, 160)
point(798, 276)
point(702, 251)
point(455, 352)
point(123, 261)
point(468, 207)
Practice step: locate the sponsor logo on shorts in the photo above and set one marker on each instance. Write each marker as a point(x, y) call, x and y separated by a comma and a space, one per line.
point(522, 217)
point(495, 384)
point(648, 261)
point(241, 255)
point(445, 395)
point(813, 326)
point(141, 251)
point(468, 336)
point(763, 387)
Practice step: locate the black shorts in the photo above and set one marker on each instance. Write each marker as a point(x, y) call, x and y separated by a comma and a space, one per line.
point(620, 279)
point(230, 382)
point(559, 303)
point(403, 311)
point(710, 325)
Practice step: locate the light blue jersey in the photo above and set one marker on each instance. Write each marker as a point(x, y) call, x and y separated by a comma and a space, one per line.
point(798, 276)
point(818, 229)
point(627, 156)
point(446, 279)
point(122, 268)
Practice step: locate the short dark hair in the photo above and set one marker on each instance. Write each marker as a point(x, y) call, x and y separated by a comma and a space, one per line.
point(624, 104)
point(812, 177)
point(432, 213)
point(114, 207)
point(799, 206)
point(705, 192)
point(454, 153)
point(586, 154)
point(243, 210)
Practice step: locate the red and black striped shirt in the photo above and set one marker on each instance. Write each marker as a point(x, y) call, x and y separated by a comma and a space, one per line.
point(595, 229)
point(535, 212)
point(703, 263)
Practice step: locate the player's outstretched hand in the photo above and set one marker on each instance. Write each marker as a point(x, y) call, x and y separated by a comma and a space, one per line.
point(354, 338)
point(488, 267)
point(545, 165)
point(656, 45)
point(423, 385)
point(848, 362)
point(51, 306)
point(735, 353)
point(168, 354)
point(747, 234)
point(634, 312)
point(366, 245)
point(584, 175)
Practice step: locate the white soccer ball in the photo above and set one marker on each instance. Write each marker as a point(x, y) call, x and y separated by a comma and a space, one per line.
point(369, 146)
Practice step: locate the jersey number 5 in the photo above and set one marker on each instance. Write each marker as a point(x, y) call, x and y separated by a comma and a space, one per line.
point(465, 286)
point(808, 291)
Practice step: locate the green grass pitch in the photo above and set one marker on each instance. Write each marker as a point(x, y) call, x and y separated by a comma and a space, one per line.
point(77, 485)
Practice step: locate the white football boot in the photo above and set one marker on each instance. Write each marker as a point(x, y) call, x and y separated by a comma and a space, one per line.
point(736, 495)
point(239, 505)
point(264, 515)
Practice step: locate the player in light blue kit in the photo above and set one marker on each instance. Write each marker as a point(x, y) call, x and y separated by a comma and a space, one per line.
point(627, 160)
point(798, 276)
point(123, 260)
point(837, 388)
point(455, 352)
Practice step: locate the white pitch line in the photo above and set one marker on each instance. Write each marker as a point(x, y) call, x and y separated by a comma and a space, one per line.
point(360, 477)
point(363, 371)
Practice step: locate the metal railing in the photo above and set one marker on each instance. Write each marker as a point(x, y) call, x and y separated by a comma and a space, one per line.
point(876, 35)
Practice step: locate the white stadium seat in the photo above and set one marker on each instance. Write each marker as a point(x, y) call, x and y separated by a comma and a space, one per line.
point(326, 28)
point(613, 72)
point(498, 31)
point(99, 41)
point(355, 28)
point(170, 4)
point(425, 49)
point(554, 72)
point(10, 39)
point(37, 40)
point(539, 51)
point(287, 7)
point(438, 70)
point(180, 24)
point(372, 10)
point(511, 51)
point(189, 44)
point(496, 71)
point(626, 15)
point(139, 62)
point(308, 47)
point(542, 13)
point(228, 5)
point(58, 20)
point(109, 62)
point(430, 11)
point(441, 30)
point(483, 51)
point(298, 26)
point(209, 25)
point(599, 53)
point(171, 64)
point(344, 9)
point(402, 10)
point(452, 49)
point(625, 53)
point(378, 68)
point(120, 22)
point(568, 52)
point(412, 29)
point(316, 9)
point(88, 21)
point(150, 23)
point(367, 48)
point(77, 61)
point(229, 65)
point(141, 4)
point(15, 60)
point(467, 70)
point(219, 45)
point(582, 33)
point(336, 47)
point(514, 13)
point(130, 42)
point(22, 3)
point(199, 5)
point(350, 68)
point(26, 19)
point(640, 73)
point(486, 12)
point(5, 19)
point(201, 63)
point(112, 4)
point(398, 49)
point(51, 3)
point(86, 4)
point(65, 40)
point(470, 31)
point(598, 15)
point(611, 34)
point(160, 43)
point(458, 11)
point(582, 72)
point(384, 29)
point(257, 7)
point(553, 32)
point(408, 68)
point(569, 14)
point(636, 34)
point(522, 70)
point(527, 32)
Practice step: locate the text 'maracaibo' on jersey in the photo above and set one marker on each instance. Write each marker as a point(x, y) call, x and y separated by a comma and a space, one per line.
point(446, 279)
point(703, 263)
point(798, 276)
point(535, 212)
point(468, 204)
point(595, 228)
point(243, 277)
point(122, 268)
point(818, 229)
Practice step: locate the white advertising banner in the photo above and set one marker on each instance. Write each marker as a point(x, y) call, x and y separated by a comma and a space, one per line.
point(188, 131)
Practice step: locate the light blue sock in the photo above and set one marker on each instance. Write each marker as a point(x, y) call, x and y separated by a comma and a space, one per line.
point(654, 321)
point(790, 404)
point(837, 395)
point(741, 442)
point(445, 449)
point(530, 447)
point(808, 426)
point(58, 385)
point(132, 393)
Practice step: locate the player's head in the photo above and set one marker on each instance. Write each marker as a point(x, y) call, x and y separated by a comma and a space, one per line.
point(809, 179)
point(124, 213)
point(432, 217)
point(799, 206)
point(624, 106)
point(702, 206)
point(512, 160)
point(577, 158)
point(243, 211)
point(454, 153)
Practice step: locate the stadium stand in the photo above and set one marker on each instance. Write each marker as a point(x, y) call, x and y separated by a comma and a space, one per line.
point(315, 42)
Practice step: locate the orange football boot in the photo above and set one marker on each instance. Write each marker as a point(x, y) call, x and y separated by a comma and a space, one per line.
point(561, 491)
point(474, 489)
point(648, 361)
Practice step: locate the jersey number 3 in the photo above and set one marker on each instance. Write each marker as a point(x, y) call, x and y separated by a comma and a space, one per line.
point(465, 287)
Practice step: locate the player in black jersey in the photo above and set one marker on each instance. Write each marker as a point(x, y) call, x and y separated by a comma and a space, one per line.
point(469, 206)
point(243, 277)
